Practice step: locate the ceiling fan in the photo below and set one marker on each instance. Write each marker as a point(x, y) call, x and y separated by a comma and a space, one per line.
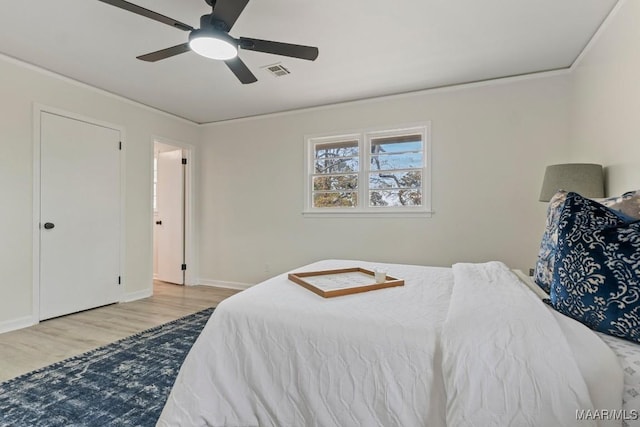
point(212, 39)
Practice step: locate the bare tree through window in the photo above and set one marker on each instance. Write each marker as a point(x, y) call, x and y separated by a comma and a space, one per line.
point(370, 171)
point(395, 177)
point(335, 181)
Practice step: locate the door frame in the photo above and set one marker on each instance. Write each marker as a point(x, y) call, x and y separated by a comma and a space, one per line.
point(190, 277)
point(38, 109)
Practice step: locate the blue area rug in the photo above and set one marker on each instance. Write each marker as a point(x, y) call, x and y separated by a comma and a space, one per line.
point(125, 383)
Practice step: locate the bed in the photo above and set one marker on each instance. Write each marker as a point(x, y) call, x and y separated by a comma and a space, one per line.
point(470, 345)
point(467, 345)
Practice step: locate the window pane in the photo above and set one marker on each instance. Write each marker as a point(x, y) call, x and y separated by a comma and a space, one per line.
point(412, 179)
point(339, 149)
point(395, 198)
point(396, 144)
point(335, 200)
point(336, 157)
point(335, 182)
point(337, 165)
point(396, 161)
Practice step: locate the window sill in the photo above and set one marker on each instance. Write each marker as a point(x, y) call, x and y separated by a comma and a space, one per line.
point(365, 214)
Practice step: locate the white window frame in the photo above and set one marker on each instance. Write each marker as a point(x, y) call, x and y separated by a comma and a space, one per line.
point(364, 137)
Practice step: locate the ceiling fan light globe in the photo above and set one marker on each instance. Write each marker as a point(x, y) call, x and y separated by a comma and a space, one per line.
point(211, 46)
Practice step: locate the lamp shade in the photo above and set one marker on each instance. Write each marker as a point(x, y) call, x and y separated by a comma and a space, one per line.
point(587, 179)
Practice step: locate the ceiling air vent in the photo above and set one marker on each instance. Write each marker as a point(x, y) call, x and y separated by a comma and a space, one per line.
point(278, 70)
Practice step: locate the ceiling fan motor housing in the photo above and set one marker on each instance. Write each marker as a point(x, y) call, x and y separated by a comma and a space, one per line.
point(211, 27)
point(208, 21)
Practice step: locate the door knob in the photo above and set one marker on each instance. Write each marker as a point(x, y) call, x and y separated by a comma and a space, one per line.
point(158, 222)
point(49, 225)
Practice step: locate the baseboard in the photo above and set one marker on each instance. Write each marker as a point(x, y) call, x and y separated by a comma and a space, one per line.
point(225, 284)
point(133, 296)
point(19, 323)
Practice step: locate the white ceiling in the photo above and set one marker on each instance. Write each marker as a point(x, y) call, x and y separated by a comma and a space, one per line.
point(368, 48)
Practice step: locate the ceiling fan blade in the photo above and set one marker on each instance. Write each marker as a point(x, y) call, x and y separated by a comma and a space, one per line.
point(165, 53)
point(228, 11)
point(277, 48)
point(148, 13)
point(241, 71)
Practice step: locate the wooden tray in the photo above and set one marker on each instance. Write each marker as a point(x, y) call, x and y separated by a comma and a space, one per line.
point(343, 281)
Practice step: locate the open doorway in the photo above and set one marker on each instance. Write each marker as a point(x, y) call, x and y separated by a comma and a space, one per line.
point(171, 212)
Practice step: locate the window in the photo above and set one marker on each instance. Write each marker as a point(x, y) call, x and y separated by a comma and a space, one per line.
point(369, 172)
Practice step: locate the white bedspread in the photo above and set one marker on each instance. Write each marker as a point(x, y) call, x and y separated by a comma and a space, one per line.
point(280, 355)
point(505, 361)
point(628, 354)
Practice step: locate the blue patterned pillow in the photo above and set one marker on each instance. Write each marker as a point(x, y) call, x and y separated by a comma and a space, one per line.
point(596, 278)
point(543, 273)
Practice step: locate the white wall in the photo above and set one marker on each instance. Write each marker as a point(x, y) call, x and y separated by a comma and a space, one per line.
point(20, 87)
point(605, 100)
point(490, 145)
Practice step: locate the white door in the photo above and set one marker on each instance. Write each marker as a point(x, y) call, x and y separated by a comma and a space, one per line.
point(79, 215)
point(170, 217)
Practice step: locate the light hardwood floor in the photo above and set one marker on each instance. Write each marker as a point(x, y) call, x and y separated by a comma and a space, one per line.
point(57, 339)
